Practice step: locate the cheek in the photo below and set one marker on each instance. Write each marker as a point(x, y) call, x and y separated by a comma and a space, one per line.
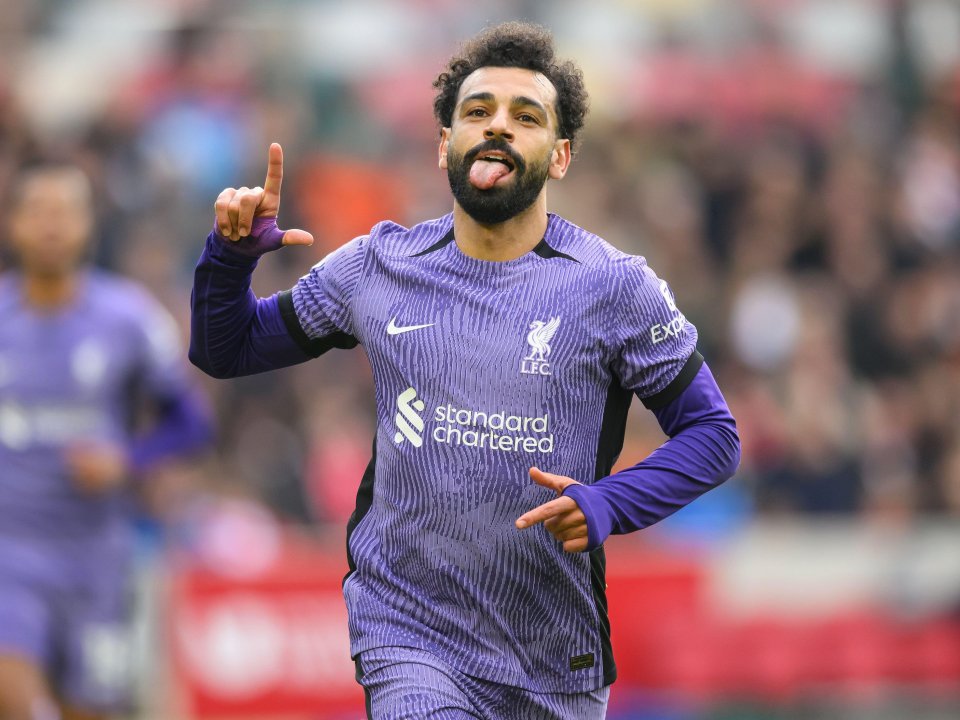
point(459, 144)
point(543, 158)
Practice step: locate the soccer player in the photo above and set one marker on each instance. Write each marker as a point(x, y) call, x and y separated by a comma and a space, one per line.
point(81, 354)
point(506, 344)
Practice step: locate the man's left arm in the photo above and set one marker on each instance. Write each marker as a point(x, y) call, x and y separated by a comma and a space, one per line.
point(660, 363)
point(703, 451)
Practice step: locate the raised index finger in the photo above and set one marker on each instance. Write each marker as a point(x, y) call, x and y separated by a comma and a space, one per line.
point(271, 185)
point(546, 511)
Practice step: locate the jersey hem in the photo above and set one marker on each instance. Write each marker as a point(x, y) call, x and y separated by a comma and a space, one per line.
point(569, 685)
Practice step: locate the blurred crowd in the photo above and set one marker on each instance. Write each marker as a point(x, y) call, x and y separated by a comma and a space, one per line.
point(792, 168)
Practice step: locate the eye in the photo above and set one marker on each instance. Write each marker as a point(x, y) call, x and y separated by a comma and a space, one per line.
point(528, 118)
point(476, 112)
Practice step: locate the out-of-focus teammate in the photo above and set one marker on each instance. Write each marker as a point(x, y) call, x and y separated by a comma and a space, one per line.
point(82, 355)
point(506, 344)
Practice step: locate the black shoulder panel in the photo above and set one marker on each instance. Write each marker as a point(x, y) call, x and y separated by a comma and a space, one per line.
point(314, 347)
point(678, 385)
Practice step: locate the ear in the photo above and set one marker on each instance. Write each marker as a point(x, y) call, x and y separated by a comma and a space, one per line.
point(560, 159)
point(444, 142)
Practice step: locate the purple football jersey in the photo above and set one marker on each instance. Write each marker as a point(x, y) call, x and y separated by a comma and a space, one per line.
point(482, 370)
point(73, 375)
point(70, 376)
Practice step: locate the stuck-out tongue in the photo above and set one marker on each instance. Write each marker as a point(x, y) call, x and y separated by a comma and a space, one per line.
point(485, 173)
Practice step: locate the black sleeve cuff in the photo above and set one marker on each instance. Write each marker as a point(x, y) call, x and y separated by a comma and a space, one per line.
point(670, 393)
point(314, 347)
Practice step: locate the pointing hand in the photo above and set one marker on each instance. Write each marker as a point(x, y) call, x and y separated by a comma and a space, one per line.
point(562, 516)
point(247, 217)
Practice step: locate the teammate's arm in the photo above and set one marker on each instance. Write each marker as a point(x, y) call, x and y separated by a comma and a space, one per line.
point(232, 332)
point(181, 421)
point(183, 426)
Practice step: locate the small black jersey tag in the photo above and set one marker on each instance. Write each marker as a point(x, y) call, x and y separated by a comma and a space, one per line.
point(582, 662)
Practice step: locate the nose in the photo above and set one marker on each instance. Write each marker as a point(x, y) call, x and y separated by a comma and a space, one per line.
point(499, 127)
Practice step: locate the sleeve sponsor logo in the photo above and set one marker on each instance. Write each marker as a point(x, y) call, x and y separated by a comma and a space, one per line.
point(668, 296)
point(663, 331)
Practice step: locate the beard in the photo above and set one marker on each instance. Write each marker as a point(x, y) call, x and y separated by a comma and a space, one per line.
point(498, 203)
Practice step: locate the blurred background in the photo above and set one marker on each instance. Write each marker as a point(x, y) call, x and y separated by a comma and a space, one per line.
point(792, 167)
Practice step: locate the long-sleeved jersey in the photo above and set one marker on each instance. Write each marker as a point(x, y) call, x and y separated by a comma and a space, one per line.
point(75, 375)
point(483, 369)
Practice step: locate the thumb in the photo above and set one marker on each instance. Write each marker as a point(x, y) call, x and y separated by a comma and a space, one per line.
point(297, 237)
point(557, 483)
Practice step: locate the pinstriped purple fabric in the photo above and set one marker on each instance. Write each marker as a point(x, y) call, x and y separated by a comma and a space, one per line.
point(488, 368)
point(410, 684)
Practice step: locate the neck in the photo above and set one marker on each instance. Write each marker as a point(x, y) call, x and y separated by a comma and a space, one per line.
point(49, 291)
point(504, 241)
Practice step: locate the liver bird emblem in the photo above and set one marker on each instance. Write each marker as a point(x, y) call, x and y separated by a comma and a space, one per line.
point(539, 338)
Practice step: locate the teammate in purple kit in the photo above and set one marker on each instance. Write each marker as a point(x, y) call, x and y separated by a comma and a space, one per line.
point(80, 352)
point(506, 344)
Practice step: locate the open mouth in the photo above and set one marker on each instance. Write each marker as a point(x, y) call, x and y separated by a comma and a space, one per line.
point(489, 168)
point(497, 158)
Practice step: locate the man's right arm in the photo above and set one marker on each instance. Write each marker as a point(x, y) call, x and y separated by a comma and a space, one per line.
point(232, 332)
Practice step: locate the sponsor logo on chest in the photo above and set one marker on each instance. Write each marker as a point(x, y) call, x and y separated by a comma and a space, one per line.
point(485, 429)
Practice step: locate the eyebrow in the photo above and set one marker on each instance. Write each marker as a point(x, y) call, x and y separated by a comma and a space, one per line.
point(517, 100)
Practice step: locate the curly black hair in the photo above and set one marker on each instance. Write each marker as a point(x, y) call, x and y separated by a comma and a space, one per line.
point(522, 45)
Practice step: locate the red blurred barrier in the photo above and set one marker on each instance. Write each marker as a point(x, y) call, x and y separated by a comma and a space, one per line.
point(276, 644)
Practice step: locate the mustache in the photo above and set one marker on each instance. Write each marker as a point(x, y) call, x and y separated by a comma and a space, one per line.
point(497, 145)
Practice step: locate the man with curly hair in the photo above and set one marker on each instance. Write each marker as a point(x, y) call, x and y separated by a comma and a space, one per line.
point(506, 344)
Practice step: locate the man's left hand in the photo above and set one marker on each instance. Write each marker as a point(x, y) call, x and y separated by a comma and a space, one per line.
point(562, 516)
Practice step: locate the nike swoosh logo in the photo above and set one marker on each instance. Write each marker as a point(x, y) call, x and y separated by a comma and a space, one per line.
point(394, 329)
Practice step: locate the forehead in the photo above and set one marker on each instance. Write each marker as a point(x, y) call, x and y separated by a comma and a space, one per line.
point(60, 183)
point(509, 82)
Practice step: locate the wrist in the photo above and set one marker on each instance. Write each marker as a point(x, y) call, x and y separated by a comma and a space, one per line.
point(264, 237)
point(226, 252)
point(598, 522)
